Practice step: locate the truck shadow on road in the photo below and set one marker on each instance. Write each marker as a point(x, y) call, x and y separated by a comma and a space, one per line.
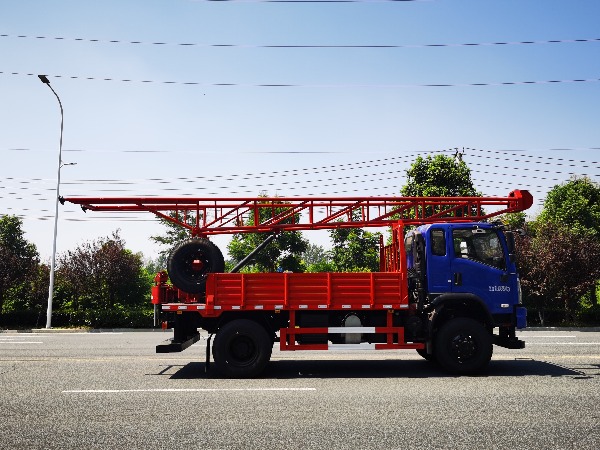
point(334, 369)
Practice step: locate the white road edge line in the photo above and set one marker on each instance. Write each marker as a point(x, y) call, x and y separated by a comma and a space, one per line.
point(16, 342)
point(117, 391)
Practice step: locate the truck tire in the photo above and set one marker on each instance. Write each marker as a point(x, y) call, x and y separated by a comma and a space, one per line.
point(426, 356)
point(463, 346)
point(191, 261)
point(242, 349)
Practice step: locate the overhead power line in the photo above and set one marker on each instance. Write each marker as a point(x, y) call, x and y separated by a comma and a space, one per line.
point(286, 152)
point(386, 181)
point(317, 1)
point(295, 181)
point(309, 46)
point(530, 163)
point(299, 85)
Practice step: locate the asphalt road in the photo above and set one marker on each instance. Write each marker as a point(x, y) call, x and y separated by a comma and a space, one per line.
point(110, 390)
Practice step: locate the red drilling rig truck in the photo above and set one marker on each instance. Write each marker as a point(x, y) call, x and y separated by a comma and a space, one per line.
point(447, 287)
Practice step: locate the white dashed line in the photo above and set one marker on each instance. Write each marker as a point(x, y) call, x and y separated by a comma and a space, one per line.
point(118, 391)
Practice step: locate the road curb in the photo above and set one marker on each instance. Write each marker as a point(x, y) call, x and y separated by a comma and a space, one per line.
point(83, 330)
point(159, 330)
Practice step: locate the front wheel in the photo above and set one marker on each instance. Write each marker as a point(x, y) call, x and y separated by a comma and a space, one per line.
point(242, 349)
point(463, 346)
point(426, 356)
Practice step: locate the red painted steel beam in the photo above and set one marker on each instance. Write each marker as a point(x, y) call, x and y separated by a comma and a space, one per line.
point(230, 215)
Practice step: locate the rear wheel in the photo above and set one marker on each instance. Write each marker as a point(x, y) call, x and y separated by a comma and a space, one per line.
point(463, 346)
point(191, 261)
point(242, 349)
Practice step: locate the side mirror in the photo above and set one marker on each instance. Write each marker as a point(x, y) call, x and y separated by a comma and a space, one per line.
point(510, 242)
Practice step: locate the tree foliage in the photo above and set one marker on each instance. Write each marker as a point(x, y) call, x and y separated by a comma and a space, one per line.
point(19, 258)
point(557, 267)
point(174, 233)
point(317, 259)
point(354, 250)
point(439, 176)
point(283, 253)
point(563, 247)
point(575, 205)
point(101, 274)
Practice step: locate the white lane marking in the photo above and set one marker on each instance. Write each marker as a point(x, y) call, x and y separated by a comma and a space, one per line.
point(21, 342)
point(50, 334)
point(563, 343)
point(117, 391)
point(528, 337)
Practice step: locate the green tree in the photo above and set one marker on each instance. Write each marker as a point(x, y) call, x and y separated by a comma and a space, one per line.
point(354, 250)
point(19, 258)
point(514, 221)
point(317, 259)
point(439, 176)
point(557, 267)
point(174, 233)
point(101, 274)
point(283, 253)
point(575, 205)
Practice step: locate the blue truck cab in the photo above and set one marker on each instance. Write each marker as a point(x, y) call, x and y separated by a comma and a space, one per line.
point(464, 276)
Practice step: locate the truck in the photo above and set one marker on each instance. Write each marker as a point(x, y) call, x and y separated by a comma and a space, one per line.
point(447, 286)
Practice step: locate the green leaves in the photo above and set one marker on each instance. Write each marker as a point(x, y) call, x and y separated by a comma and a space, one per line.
point(354, 250)
point(102, 274)
point(574, 204)
point(283, 253)
point(439, 176)
point(19, 258)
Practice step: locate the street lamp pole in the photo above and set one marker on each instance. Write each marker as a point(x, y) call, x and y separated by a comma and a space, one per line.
point(45, 80)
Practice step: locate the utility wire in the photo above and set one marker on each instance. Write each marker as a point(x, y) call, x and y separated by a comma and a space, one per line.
point(242, 152)
point(299, 85)
point(309, 46)
point(333, 169)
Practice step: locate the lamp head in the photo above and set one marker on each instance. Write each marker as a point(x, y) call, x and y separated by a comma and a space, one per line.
point(44, 79)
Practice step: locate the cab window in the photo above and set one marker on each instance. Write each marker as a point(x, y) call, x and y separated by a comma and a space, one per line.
point(481, 245)
point(438, 242)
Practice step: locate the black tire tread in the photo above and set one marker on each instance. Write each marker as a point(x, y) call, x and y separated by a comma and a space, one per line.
point(222, 354)
point(464, 326)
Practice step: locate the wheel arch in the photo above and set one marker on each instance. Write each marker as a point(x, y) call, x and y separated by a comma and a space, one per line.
point(270, 322)
point(448, 306)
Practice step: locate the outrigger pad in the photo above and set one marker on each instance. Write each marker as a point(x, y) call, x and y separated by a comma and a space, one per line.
point(172, 346)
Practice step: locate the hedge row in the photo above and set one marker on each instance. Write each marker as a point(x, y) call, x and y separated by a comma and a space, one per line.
point(103, 318)
point(143, 318)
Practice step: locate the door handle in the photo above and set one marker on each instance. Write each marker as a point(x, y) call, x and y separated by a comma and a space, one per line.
point(457, 279)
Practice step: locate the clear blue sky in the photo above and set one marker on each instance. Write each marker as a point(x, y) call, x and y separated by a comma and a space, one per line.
point(354, 119)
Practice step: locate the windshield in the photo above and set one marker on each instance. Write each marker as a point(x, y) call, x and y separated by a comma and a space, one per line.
point(481, 245)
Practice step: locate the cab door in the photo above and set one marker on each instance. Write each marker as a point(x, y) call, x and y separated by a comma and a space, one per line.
point(439, 272)
point(479, 266)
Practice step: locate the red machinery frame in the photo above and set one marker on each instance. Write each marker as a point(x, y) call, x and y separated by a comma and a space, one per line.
point(225, 215)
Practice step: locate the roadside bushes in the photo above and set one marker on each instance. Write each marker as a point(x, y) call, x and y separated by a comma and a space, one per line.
point(85, 318)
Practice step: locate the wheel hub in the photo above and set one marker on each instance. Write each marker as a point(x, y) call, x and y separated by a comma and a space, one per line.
point(243, 349)
point(463, 347)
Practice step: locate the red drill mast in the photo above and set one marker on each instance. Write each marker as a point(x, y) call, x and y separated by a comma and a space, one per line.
point(238, 215)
